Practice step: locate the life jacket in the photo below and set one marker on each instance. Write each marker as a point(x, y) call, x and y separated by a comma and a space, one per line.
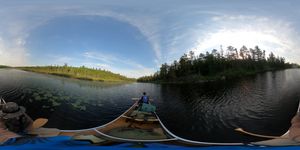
point(145, 99)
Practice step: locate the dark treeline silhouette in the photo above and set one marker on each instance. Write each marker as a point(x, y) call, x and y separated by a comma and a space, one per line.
point(215, 65)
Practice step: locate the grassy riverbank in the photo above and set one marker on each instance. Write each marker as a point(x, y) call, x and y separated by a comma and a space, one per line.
point(3, 66)
point(82, 73)
point(216, 65)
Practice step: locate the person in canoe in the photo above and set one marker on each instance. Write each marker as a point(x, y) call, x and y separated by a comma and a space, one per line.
point(144, 104)
point(144, 99)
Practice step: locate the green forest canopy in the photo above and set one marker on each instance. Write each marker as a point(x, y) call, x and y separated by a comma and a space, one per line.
point(218, 65)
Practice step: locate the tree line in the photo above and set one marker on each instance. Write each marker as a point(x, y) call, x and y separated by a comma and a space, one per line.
point(79, 73)
point(221, 64)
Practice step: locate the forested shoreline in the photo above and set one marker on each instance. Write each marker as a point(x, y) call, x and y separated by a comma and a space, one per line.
point(218, 65)
point(82, 73)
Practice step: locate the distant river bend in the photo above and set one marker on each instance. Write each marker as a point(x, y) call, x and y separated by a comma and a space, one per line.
point(210, 111)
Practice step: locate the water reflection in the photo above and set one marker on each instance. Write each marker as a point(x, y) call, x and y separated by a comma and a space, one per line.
point(210, 111)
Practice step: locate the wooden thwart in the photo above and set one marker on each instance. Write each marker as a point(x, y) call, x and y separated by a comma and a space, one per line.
point(139, 119)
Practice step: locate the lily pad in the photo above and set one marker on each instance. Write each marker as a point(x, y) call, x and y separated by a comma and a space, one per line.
point(38, 98)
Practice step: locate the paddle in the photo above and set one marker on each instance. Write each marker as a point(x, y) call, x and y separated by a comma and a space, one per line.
point(259, 135)
point(44, 132)
point(37, 123)
point(2, 101)
point(266, 136)
point(35, 129)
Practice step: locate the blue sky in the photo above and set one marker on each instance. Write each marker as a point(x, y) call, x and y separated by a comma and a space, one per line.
point(133, 37)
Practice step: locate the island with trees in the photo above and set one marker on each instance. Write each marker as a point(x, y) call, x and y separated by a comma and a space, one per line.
point(217, 65)
point(82, 72)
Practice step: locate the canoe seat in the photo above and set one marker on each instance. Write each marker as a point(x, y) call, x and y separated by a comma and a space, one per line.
point(141, 116)
point(141, 119)
point(136, 112)
point(137, 133)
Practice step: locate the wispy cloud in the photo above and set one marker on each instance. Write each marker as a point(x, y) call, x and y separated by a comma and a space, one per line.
point(105, 58)
point(22, 22)
point(109, 62)
point(171, 30)
point(129, 72)
point(148, 25)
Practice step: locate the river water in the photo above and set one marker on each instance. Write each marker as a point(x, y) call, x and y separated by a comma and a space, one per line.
point(264, 103)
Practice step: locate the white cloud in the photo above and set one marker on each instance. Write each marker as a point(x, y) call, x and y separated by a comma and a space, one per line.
point(278, 36)
point(12, 54)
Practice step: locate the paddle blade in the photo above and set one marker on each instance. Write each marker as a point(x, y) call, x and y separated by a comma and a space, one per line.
point(238, 129)
point(39, 123)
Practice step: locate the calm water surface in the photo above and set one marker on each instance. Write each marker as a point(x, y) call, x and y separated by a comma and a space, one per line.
point(264, 103)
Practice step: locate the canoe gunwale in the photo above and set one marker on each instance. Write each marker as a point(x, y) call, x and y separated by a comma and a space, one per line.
point(171, 137)
point(286, 134)
point(186, 141)
point(102, 126)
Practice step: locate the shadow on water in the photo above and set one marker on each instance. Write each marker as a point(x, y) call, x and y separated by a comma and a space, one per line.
point(210, 111)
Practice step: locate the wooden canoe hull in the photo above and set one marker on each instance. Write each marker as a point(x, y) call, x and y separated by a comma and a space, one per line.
point(154, 125)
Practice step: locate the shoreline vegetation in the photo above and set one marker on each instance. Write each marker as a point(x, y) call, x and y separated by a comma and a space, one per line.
point(82, 73)
point(218, 65)
point(3, 66)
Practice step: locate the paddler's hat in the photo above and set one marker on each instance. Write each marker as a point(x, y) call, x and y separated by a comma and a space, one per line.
point(11, 110)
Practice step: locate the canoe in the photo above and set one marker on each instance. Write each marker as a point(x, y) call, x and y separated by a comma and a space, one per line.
point(137, 127)
point(130, 127)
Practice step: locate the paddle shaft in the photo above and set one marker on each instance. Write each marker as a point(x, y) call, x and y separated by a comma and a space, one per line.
point(298, 110)
point(259, 135)
point(265, 136)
